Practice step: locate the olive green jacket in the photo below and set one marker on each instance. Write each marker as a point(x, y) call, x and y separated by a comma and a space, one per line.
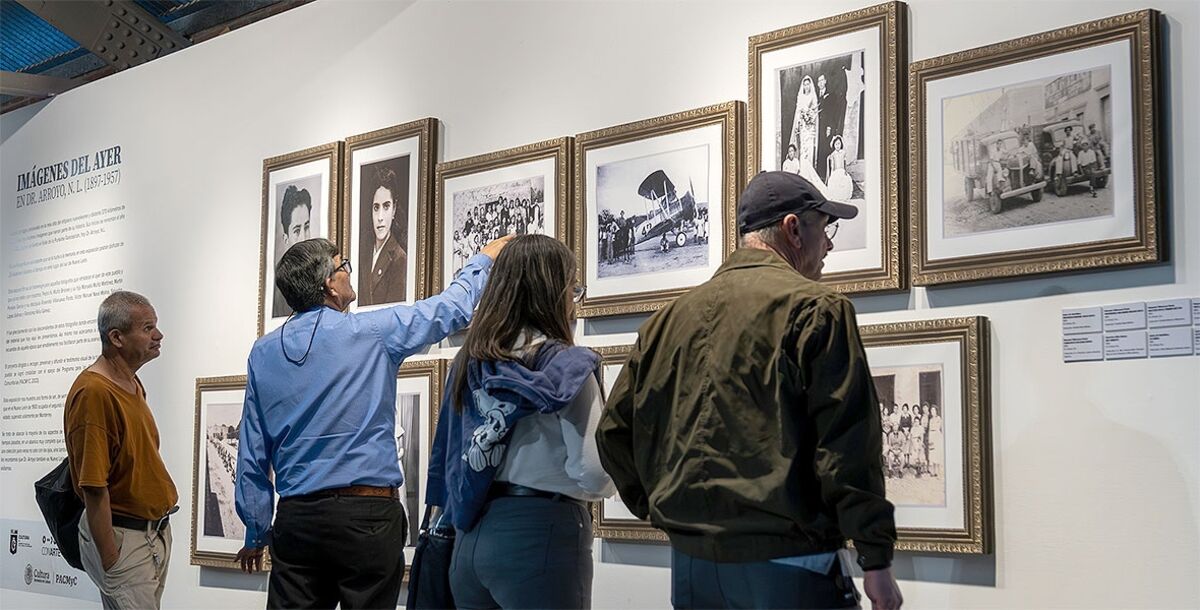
point(745, 423)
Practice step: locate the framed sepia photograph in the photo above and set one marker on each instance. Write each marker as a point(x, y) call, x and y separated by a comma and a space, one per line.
point(419, 386)
point(932, 379)
point(299, 201)
point(826, 102)
point(519, 191)
point(217, 532)
point(1037, 155)
point(655, 206)
point(388, 190)
point(611, 520)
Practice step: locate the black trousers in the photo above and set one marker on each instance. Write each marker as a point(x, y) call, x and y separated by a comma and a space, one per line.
point(525, 553)
point(331, 550)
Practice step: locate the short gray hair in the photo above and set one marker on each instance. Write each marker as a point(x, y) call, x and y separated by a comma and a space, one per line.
point(116, 312)
point(772, 234)
point(300, 275)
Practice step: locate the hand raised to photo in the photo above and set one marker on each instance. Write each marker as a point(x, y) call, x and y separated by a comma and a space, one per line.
point(492, 250)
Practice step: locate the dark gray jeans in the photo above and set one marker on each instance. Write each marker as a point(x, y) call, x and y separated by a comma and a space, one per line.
point(698, 583)
point(526, 552)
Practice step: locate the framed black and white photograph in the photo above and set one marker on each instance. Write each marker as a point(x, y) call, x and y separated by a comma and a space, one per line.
point(825, 104)
point(388, 189)
point(611, 519)
point(1037, 155)
point(519, 191)
point(654, 206)
point(932, 380)
point(299, 201)
point(914, 438)
point(418, 396)
point(217, 532)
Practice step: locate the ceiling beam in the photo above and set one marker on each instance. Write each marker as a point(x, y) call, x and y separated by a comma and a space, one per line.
point(120, 32)
point(33, 85)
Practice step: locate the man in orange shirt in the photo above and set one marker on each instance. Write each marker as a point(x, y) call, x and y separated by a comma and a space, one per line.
point(113, 447)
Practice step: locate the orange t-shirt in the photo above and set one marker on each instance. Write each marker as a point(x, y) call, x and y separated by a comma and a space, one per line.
point(112, 441)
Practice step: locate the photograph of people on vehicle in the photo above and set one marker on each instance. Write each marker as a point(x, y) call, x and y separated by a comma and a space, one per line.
point(1028, 153)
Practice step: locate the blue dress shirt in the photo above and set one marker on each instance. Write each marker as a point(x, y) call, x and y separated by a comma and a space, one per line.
point(330, 420)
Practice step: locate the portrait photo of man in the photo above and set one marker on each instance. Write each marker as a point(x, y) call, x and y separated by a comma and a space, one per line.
point(298, 221)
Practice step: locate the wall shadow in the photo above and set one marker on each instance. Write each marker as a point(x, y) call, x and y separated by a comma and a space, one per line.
point(1023, 288)
point(219, 578)
point(613, 325)
point(880, 303)
point(645, 555)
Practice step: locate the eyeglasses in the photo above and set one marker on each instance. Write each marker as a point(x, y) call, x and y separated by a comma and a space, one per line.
point(345, 266)
point(577, 292)
point(831, 230)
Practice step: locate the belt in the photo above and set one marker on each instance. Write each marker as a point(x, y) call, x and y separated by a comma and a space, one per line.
point(133, 523)
point(361, 491)
point(501, 489)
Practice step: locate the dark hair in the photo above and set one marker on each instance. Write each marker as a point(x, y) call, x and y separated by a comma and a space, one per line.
point(529, 288)
point(385, 178)
point(292, 199)
point(300, 275)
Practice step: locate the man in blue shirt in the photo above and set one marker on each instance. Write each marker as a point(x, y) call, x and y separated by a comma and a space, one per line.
point(318, 427)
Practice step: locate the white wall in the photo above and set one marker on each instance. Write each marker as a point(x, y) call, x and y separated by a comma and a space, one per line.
point(1097, 466)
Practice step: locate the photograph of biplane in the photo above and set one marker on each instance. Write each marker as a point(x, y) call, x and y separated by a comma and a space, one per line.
point(653, 213)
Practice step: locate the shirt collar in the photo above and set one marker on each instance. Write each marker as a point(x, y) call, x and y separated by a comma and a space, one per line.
point(746, 258)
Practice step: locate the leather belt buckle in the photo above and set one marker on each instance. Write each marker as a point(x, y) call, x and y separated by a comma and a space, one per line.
point(362, 491)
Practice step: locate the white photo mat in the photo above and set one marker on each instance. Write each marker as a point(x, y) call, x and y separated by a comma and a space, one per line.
point(407, 147)
point(419, 385)
point(320, 216)
point(710, 136)
point(947, 354)
point(547, 168)
point(204, 543)
point(870, 214)
point(1122, 223)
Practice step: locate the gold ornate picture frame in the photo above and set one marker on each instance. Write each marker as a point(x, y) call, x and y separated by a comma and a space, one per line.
point(1038, 154)
point(306, 187)
point(527, 189)
point(933, 382)
point(610, 519)
point(387, 194)
point(655, 206)
point(217, 531)
point(827, 101)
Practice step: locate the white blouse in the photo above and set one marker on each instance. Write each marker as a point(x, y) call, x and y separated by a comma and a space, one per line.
point(557, 452)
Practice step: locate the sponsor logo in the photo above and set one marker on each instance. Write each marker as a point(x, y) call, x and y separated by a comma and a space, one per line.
point(17, 540)
point(66, 579)
point(50, 547)
point(37, 575)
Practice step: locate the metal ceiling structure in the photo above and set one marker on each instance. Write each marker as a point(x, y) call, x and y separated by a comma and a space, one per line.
point(50, 46)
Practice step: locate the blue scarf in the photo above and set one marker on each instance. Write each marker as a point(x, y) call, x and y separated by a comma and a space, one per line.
point(469, 446)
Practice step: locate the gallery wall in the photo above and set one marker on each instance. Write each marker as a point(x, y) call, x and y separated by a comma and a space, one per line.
point(1096, 465)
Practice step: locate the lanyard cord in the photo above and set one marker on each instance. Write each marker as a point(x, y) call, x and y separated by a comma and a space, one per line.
point(283, 345)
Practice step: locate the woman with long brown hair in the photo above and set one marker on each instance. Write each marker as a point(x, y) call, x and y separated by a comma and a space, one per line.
point(514, 461)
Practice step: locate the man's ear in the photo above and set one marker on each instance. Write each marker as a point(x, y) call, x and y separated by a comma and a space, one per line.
point(115, 339)
point(791, 230)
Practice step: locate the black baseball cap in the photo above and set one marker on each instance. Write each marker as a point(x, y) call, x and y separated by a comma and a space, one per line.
point(772, 195)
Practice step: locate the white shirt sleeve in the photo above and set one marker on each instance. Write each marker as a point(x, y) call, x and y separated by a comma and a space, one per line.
point(579, 422)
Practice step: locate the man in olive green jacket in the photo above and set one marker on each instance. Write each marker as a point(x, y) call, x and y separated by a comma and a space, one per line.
point(746, 425)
